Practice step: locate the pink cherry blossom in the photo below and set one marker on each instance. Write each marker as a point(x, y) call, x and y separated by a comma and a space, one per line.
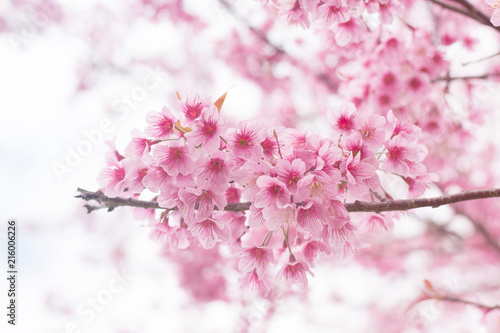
point(294, 273)
point(174, 157)
point(245, 141)
point(160, 124)
point(256, 258)
point(207, 131)
point(209, 232)
point(272, 192)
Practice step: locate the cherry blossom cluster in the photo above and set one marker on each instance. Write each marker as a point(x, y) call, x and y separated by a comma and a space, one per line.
point(341, 16)
point(296, 183)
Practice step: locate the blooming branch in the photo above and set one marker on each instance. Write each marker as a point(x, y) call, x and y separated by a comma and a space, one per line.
point(357, 206)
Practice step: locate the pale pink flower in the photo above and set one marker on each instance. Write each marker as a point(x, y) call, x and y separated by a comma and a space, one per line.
point(192, 109)
point(371, 129)
point(247, 177)
point(352, 31)
point(160, 124)
point(294, 273)
point(495, 16)
point(139, 145)
point(398, 156)
point(272, 192)
point(214, 171)
point(339, 236)
point(278, 217)
point(291, 173)
point(252, 281)
point(336, 213)
point(310, 217)
point(356, 172)
point(333, 12)
point(375, 223)
point(315, 185)
point(311, 250)
point(296, 15)
point(245, 141)
point(233, 194)
point(174, 157)
point(344, 120)
point(207, 131)
point(209, 232)
point(135, 171)
point(256, 258)
point(112, 180)
point(201, 203)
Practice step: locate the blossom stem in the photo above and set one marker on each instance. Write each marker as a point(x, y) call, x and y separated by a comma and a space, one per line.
point(357, 206)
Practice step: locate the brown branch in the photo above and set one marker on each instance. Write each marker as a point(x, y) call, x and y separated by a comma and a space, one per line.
point(467, 9)
point(459, 300)
point(357, 206)
point(476, 77)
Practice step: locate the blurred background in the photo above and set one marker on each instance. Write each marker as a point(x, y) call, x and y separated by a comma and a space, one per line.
point(74, 75)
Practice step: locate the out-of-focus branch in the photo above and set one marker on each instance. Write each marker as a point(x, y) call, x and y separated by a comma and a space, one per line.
point(471, 77)
point(332, 86)
point(466, 9)
point(357, 206)
point(466, 302)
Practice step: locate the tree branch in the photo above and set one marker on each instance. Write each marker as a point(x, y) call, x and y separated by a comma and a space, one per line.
point(357, 206)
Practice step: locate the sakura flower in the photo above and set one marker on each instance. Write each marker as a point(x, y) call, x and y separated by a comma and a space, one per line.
point(202, 201)
point(315, 185)
point(135, 171)
point(209, 232)
point(245, 141)
point(376, 222)
point(139, 145)
point(311, 250)
point(291, 173)
point(310, 217)
point(192, 109)
point(261, 284)
point(174, 157)
point(247, 176)
point(339, 236)
point(495, 16)
point(214, 171)
point(112, 180)
point(371, 129)
point(398, 156)
point(356, 172)
point(349, 32)
point(278, 217)
point(294, 273)
point(160, 124)
point(207, 131)
point(333, 12)
point(297, 15)
point(344, 119)
point(255, 258)
point(336, 214)
point(272, 192)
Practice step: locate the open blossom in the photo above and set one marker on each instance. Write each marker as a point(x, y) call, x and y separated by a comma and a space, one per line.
point(192, 109)
point(376, 222)
point(294, 273)
point(160, 124)
point(272, 192)
point(209, 232)
point(135, 171)
point(278, 217)
point(256, 258)
point(214, 171)
point(333, 12)
point(495, 16)
point(207, 131)
point(296, 15)
point(344, 120)
point(291, 172)
point(139, 145)
point(201, 202)
point(245, 141)
point(112, 180)
point(356, 172)
point(310, 217)
point(398, 156)
point(174, 157)
point(155, 177)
